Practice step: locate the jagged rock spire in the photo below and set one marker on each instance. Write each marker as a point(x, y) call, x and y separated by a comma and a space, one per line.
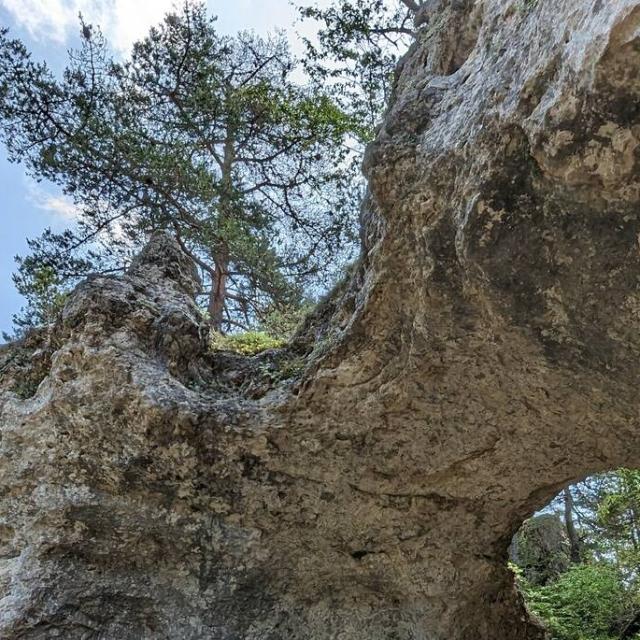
point(162, 258)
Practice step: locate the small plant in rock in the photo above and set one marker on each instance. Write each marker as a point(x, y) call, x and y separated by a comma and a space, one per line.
point(527, 5)
point(248, 343)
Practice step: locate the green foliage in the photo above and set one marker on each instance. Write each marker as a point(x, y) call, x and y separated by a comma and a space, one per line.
point(248, 343)
point(356, 52)
point(203, 135)
point(597, 597)
point(25, 363)
point(589, 602)
point(274, 332)
point(618, 515)
point(282, 369)
point(609, 512)
point(283, 322)
point(527, 5)
point(43, 287)
point(291, 367)
point(541, 549)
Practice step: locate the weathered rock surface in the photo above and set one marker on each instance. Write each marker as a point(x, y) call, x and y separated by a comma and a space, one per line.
point(484, 355)
point(541, 547)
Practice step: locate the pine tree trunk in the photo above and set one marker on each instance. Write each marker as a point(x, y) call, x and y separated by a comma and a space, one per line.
point(218, 294)
point(575, 546)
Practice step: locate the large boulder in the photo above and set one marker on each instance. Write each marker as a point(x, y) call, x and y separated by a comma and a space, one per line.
point(541, 549)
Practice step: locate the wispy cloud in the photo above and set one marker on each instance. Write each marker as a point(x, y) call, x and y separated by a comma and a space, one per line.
point(66, 212)
point(122, 21)
point(60, 206)
point(57, 205)
point(125, 21)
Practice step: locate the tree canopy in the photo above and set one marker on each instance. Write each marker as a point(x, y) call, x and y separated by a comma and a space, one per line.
point(205, 135)
point(357, 49)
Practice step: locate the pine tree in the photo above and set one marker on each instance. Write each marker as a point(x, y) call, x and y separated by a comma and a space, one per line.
point(357, 50)
point(204, 135)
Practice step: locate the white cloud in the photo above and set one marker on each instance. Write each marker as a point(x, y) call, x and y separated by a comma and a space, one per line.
point(126, 21)
point(122, 21)
point(65, 211)
point(58, 205)
point(131, 19)
point(40, 18)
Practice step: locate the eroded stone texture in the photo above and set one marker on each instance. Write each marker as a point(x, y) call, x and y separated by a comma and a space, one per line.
point(366, 482)
point(542, 548)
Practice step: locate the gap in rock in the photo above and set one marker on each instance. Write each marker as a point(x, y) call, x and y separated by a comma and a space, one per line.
point(577, 560)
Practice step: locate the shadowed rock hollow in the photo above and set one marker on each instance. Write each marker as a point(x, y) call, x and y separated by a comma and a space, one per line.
point(365, 483)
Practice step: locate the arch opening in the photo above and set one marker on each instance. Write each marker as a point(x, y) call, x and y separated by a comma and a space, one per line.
point(577, 561)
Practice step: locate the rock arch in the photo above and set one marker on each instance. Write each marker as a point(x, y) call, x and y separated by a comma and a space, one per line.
point(365, 482)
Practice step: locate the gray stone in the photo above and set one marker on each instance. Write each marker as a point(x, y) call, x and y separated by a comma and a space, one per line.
point(541, 548)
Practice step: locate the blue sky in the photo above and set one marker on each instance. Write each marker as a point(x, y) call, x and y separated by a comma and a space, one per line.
point(49, 28)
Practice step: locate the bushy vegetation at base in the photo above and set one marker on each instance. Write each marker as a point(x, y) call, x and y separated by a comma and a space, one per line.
point(274, 333)
point(588, 602)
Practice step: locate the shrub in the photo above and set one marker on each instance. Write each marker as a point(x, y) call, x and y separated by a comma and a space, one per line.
point(586, 603)
point(248, 343)
point(283, 322)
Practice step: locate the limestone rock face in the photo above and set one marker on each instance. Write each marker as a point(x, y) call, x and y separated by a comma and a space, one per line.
point(365, 483)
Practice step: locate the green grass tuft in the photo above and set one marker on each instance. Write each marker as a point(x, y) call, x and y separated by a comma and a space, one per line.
point(248, 343)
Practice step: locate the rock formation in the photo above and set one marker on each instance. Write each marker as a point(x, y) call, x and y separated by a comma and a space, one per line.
point(541, 548)
point(365, 483)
